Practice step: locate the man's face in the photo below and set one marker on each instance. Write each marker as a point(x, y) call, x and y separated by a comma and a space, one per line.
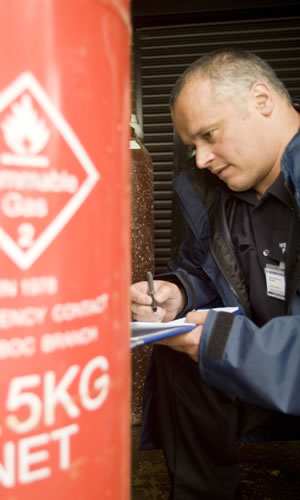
point(231, 139)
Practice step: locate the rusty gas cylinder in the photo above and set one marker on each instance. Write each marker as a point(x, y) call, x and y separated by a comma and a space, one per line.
point(142, 251)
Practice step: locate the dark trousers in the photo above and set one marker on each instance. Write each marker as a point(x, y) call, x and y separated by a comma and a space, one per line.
point(198, 428)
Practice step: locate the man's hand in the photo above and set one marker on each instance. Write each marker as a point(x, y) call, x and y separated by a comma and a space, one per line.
point(188, 342)
point(169, 298)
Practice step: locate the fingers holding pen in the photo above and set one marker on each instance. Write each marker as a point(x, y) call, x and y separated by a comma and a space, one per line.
point(167, 296)
point(139, 294)
point(142, 302)
point(146, 313)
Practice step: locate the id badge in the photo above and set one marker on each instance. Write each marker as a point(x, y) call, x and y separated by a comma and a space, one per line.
point(275, 280)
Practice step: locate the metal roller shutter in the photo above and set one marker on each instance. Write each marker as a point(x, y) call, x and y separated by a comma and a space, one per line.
point(162, 53)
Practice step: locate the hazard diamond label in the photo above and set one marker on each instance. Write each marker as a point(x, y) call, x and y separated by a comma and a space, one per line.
point(45, 173)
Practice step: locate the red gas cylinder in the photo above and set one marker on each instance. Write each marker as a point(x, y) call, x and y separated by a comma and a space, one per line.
point(65, 250)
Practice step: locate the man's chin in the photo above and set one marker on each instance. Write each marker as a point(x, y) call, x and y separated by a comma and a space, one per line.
point(238, 187)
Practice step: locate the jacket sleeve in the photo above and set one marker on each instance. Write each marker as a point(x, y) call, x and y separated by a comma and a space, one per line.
point(187, 272)
point(258, 365)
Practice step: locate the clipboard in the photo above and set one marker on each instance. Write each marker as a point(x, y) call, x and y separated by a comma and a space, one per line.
point(147, 332)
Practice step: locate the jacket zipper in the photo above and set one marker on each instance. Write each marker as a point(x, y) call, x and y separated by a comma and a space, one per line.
point(224, 230)
point(233, 290)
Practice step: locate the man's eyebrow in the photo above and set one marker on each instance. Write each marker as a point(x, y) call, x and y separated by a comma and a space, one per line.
point(194, 136)
point(202, 131)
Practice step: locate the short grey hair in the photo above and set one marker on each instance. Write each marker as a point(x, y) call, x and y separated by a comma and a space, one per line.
point(233, 71)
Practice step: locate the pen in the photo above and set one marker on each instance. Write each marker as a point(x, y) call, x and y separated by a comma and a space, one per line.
point(151, 290)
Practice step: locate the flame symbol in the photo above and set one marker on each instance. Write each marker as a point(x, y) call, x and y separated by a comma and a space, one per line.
point(24, 132)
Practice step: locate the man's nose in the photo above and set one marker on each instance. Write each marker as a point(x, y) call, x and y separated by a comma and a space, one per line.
point(204, 157)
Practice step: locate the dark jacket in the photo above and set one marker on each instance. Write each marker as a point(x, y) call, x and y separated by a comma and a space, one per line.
point(262, 365)
point(258, 365)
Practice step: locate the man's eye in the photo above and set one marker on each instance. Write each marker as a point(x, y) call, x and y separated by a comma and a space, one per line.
point(209, 135)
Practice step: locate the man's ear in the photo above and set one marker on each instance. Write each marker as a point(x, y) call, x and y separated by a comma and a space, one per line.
point(262, 98)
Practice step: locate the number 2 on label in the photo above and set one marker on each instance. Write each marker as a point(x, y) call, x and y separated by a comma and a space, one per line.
point(26, 233)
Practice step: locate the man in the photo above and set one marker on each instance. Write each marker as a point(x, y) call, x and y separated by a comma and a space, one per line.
point(240, 195)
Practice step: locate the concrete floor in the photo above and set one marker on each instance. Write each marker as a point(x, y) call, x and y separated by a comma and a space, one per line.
point(149, 476)
point(269, 471)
